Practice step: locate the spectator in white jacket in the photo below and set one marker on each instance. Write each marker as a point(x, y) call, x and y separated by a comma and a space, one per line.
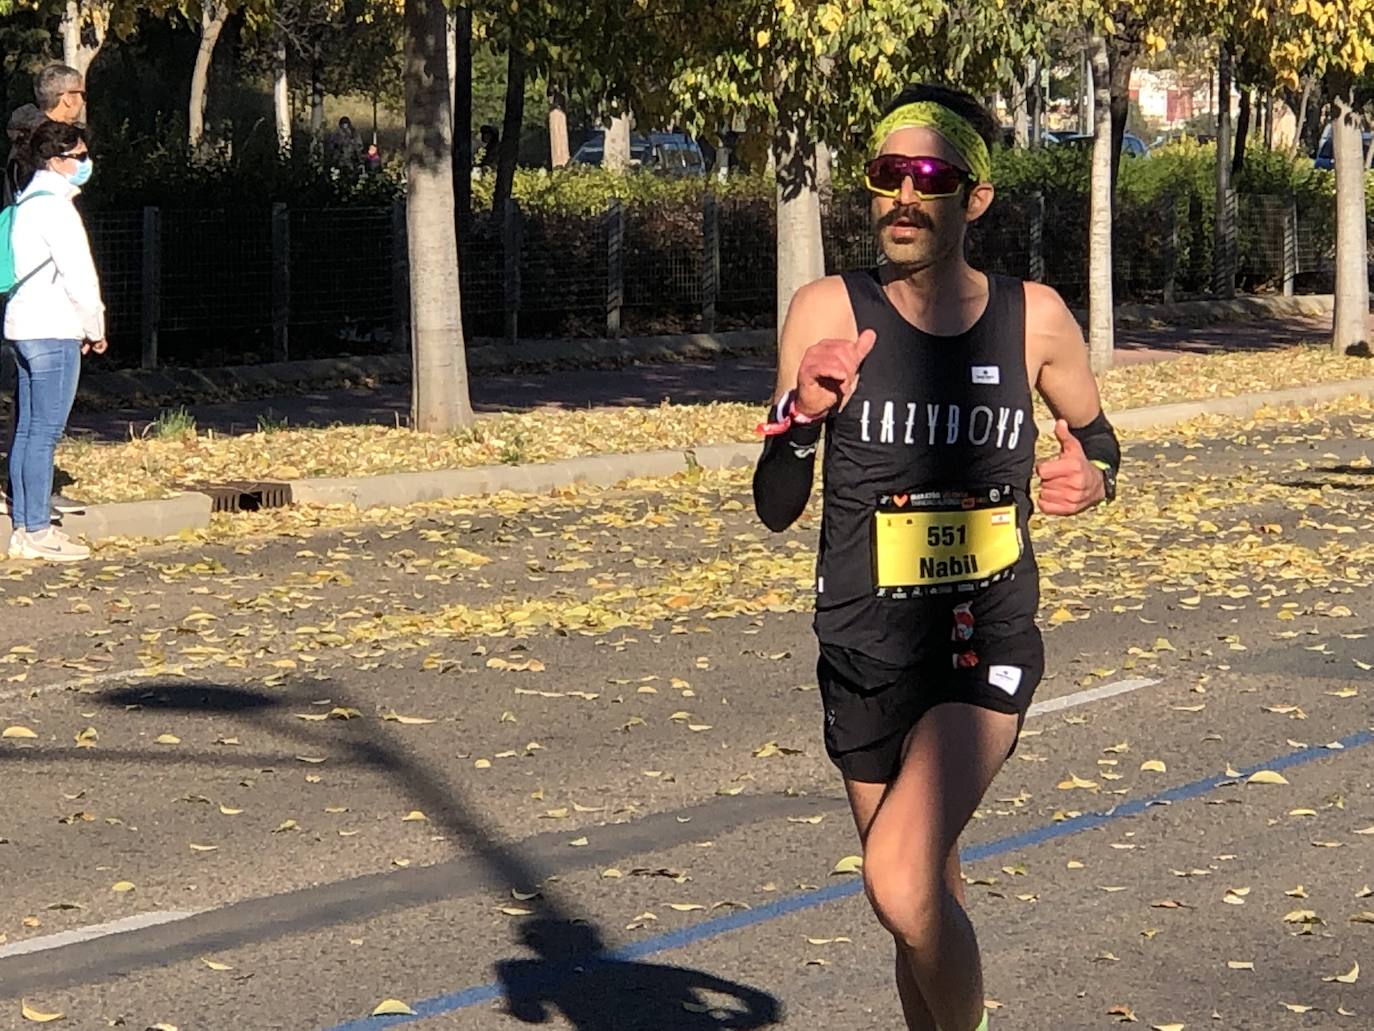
point(55, 316)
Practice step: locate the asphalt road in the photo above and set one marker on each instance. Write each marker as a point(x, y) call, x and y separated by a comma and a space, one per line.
point(558, 761)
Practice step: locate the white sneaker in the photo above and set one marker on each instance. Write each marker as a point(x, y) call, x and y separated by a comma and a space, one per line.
point(16, 545)
point(52, 546)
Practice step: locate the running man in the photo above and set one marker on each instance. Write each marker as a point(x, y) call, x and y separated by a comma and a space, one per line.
point(920, 373)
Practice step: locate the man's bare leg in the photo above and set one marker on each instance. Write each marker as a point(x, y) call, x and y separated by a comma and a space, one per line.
point(910, 829)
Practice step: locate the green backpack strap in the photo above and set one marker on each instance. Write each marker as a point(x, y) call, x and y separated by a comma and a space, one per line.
point(42, 264)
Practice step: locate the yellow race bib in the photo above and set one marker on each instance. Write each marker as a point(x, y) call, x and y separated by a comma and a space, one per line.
point(941, 542)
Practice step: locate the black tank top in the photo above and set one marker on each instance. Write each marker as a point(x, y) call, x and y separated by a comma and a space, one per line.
point(930, 413)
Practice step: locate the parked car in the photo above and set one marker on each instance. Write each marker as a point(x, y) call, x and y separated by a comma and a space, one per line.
point(672, 153)
point(1326, 155)
point(1131, 144)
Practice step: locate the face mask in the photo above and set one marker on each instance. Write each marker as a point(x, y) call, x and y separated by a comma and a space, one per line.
point(82, 175)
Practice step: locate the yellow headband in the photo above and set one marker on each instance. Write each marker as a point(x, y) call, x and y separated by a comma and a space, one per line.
point(957, 131)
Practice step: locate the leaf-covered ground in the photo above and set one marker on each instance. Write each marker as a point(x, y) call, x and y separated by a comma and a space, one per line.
point(156, 467)
point(298, 697)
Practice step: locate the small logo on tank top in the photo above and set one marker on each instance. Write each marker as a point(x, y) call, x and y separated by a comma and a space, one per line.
point(989, 375)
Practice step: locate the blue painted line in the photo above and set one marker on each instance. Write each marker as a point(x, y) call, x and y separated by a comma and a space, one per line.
point(478, 994)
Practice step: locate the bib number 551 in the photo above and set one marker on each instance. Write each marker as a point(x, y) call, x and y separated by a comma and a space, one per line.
point(946, 536)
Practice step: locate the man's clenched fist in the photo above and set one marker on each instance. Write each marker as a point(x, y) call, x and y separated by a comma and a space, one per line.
point(829, 374)
point(1069, 483)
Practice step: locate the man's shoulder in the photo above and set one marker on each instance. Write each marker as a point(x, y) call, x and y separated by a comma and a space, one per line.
point(826, 291)
point(1043, 303)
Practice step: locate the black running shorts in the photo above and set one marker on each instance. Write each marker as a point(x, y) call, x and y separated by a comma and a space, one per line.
point(871, 706)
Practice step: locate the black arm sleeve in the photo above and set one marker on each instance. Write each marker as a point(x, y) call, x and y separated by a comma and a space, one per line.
point(782, 479)
point(1099, 441)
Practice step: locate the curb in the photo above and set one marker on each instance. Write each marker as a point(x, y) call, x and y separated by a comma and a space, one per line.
point(191, 511)
point(592, 471)
point(1194, 314)
point(164, 517)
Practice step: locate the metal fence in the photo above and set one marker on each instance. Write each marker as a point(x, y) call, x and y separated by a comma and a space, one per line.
point(200, 288)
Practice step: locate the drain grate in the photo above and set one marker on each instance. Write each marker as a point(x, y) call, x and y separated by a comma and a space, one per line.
point(244, 495)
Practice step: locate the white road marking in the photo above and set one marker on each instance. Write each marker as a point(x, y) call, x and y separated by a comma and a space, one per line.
point(1092, 694)
point(84, 934)
point(135, 923)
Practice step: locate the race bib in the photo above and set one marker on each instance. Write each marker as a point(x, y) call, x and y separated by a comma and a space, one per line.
point(944, 542)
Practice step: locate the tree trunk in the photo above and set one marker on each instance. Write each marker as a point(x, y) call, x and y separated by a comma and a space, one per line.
point(451, 43)
point(509, 155)
point(1121, 62)
point(559, 154)
point(1087, 117)
point(1301, 125)
point(212, 18)
point(1101, 318)
point(1035, 104)
point(615, 153)
point(317, 95)
point(1243, 117)
point(462, 111)
point(1269, 121)
point(76, 14)
point(800, 250)
point(1020, 117)
point(439, 392)
point(281, 94)
point(1351, 319)
point(1223, 232)
point(824, 173)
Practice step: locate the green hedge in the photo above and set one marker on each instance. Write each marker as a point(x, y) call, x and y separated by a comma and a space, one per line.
point(586, 190)
point(1185, 170)
point(134, 171)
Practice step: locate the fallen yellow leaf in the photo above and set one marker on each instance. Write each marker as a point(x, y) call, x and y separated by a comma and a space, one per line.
point(1347, 978)
point(37, 1016)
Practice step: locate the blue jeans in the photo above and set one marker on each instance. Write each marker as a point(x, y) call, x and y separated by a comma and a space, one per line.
point(48, 371)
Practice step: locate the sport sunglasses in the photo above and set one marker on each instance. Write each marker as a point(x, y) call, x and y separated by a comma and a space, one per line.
point(930, 177)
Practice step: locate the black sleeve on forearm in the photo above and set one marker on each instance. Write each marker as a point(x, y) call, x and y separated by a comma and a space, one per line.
point(782, 479)
point(1099, 441)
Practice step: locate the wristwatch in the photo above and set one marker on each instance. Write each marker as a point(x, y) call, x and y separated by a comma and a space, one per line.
point(1108, 481)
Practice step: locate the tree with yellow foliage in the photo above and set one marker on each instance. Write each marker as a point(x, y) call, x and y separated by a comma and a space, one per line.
point(803, 73)
point(1333, 39)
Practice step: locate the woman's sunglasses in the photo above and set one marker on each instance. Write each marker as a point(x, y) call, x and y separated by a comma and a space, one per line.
point(930, 178)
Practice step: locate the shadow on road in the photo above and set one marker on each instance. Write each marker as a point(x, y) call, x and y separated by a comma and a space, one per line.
point(571, 972)
point(595, 990)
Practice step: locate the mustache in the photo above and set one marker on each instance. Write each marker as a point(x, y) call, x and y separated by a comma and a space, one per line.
point(917, 217)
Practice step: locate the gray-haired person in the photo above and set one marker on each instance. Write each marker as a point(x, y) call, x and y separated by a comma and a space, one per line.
point(60, 94)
